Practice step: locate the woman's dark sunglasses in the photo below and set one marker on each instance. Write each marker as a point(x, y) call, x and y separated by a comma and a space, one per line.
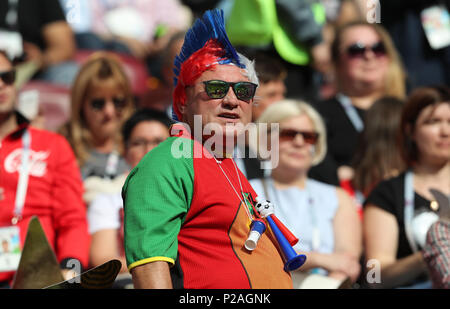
point(99, 103)
point(218, 89)
point(308, 137)
point(8, 77)
point(358, 50)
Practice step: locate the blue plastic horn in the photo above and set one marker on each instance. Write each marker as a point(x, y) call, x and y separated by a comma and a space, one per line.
point(292, 260)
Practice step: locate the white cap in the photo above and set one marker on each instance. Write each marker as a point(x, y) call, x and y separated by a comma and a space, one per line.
point(252, 240)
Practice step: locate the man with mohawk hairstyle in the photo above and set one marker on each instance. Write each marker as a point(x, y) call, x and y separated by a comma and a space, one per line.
point(189, 212)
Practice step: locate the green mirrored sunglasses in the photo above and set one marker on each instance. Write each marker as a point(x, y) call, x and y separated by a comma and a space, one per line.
point(218, 89)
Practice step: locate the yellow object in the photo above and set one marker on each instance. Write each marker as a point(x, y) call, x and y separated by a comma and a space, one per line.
point(255, 23)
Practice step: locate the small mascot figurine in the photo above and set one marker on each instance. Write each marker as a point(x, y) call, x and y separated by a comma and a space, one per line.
point(266, 209)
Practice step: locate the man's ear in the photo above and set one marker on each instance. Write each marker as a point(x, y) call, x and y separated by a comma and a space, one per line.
point(182, 108)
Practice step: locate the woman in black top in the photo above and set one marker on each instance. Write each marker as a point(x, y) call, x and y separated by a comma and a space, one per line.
point(367, 68)
point(399, 211)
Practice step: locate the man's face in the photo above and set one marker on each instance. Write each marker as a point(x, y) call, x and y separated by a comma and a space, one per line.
point(7, 92)
point(268, 93)
point(227, 112)
point(145, 136)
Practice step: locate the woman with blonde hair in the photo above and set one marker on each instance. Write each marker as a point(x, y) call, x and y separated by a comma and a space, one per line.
point(101, 101)
point(322, 216)
point(367, 68)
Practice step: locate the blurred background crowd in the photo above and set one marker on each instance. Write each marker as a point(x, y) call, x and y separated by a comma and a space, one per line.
point(360, 85)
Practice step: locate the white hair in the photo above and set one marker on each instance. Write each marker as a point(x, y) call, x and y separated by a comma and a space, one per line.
point(249, 69)
point(288, 108)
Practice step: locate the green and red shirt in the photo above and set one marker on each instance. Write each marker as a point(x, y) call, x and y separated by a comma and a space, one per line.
point(180, 208)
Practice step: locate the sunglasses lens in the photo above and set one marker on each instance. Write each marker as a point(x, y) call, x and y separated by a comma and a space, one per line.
point(8, 77)
point(100, 103)
point(119, 103)
point(216, 89)
point(308, 137)
point(356, 50)
point(288, 134)
point(379, 49)
point(97, 103)
point(244, 90)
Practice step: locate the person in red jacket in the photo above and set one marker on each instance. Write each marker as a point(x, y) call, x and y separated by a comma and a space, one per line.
point(39, 176)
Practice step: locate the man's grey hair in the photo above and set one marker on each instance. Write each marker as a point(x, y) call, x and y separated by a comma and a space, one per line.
point(249, 68)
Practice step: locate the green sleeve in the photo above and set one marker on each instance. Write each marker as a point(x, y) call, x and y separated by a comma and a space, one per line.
point(156, 195)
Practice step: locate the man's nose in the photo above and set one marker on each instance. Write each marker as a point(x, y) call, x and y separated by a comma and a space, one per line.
point(230, 100)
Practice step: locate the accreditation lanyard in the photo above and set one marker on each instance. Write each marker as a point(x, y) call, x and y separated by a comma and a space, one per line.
point(409, 208)
point(249, 209)
point(24, 172)
point(350, 111)
point(315, 241)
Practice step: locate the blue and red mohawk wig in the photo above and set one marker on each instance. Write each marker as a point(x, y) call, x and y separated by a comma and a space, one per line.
point(206, 45)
